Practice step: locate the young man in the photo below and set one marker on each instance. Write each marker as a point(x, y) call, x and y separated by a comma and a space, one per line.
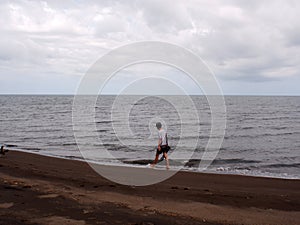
point(162, 146)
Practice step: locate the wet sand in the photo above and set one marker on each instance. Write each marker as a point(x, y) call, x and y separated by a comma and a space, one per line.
point(37, 189)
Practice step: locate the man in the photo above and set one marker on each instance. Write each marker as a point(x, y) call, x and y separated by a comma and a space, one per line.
point(162, 146)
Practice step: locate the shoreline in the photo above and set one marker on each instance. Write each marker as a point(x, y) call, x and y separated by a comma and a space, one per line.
point(128, 165)
point(39, 189)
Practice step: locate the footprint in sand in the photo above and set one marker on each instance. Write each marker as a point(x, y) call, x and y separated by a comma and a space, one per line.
point(6, 205)
point(48, 196)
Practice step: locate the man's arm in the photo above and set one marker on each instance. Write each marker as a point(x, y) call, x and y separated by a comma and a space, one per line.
point(159, 143)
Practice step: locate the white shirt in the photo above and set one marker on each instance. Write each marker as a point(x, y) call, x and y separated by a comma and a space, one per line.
point(162, 135)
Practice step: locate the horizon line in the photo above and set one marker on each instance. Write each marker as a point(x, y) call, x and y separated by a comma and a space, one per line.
point(60, 94)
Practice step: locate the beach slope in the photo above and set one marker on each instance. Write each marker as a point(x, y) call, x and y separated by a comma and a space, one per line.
point(37, 189)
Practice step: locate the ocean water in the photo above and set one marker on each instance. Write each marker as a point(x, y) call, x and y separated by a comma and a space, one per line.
point(262, 135)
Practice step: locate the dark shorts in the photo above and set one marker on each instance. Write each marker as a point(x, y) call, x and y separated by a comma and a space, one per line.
point(164, 149)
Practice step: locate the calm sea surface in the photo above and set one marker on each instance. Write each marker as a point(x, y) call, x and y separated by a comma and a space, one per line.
point(262, 136)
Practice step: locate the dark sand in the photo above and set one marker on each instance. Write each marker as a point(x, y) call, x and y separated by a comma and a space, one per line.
point(43, 190)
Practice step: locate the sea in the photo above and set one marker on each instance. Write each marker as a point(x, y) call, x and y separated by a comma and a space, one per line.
point(262, 135)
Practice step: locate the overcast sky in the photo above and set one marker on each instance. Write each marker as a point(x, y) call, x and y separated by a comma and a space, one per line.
point(253, 47)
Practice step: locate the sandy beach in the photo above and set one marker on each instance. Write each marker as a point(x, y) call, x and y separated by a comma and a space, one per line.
point(37, 189)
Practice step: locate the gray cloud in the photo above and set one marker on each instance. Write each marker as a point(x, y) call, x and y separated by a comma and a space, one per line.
point(247, 41)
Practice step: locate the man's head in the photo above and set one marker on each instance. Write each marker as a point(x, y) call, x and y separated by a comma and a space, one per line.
point(158, 125)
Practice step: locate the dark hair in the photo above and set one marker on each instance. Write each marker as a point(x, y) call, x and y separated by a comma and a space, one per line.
point(158, 125)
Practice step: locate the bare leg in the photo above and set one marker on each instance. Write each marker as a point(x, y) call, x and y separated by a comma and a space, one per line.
point(155, 161)
point(167, 160)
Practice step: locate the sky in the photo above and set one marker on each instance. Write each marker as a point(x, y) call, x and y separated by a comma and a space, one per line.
point(252, 47)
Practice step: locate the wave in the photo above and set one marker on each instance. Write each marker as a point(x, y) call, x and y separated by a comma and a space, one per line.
point(69, 144)
point(261, 135)
point(247, 128)
point(72, 157)
point(31, 148)
point(279, 128)
point(196, 162)
point(138, 162)
point(235, 160)
point(102, 130)
point(282, 165)
point(10, 145)
point(104, 121)
point(279, 118)
point(116, 147)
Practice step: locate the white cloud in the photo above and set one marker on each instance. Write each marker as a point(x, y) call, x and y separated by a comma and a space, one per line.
point(243, 41)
